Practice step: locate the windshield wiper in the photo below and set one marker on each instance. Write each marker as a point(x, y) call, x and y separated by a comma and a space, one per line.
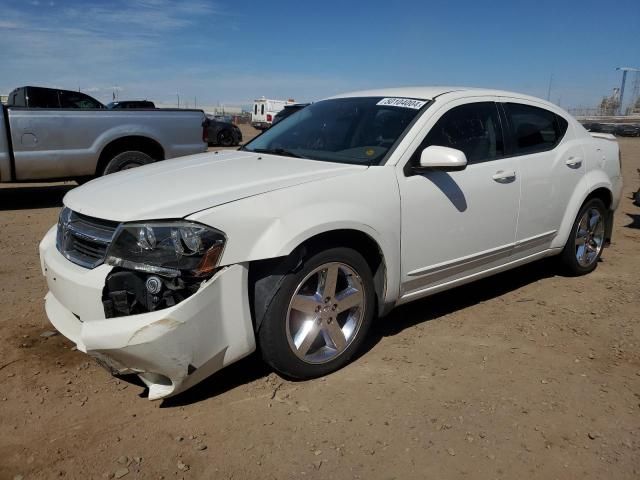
point(278, 151)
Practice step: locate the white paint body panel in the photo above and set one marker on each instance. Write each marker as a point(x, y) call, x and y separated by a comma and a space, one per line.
point(177, 188)
point(453, 220)
point(435, 230)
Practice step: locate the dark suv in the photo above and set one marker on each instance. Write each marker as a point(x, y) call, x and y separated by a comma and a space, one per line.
point(628, 130)
point(221, 133)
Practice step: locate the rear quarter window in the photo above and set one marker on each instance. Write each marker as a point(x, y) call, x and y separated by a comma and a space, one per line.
point(534, 129)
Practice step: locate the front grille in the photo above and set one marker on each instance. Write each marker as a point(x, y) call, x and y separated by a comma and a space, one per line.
point(84, 240)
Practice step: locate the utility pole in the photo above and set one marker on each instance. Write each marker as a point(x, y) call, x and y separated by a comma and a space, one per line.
point(549, 89)
point(178, 98)
point(624, 71)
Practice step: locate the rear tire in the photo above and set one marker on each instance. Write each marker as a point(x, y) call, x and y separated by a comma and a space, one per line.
point(127, 160)
point(225, 138)
point(319, 316)
point(586, 240)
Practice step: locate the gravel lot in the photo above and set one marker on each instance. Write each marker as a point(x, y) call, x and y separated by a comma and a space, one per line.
point(524, 375)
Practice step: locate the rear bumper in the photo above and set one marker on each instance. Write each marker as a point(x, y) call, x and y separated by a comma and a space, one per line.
point(170, 349)
point(260, 125)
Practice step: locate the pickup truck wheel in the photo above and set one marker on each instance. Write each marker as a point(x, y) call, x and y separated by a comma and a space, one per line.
point(586, 240)
point(126, 160)
point(225, 138)
point(319, 316)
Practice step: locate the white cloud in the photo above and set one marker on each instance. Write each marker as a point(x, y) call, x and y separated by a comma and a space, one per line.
point(130, 47)
point(87, 44)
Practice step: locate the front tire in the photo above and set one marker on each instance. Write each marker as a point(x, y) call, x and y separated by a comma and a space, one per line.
point(320, 315)
point(127, 160)
point(586, 240)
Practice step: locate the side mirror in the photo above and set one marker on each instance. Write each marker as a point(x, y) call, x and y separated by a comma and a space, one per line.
point(447, 158)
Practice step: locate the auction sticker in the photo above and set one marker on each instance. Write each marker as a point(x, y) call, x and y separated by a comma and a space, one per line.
point(402, 102)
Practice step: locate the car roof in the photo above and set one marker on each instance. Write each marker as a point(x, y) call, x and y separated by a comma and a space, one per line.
point(431, 92)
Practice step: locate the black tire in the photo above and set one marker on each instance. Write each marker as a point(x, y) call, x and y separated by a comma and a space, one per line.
point(272, 334)
point(569, 256)
point(225, 138)
point(126, 160)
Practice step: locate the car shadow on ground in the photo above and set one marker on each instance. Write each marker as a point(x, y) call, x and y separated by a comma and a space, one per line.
point(635, 221)
point(31, 197)
point(459, 298)
point(252, 368)
point(245, 371)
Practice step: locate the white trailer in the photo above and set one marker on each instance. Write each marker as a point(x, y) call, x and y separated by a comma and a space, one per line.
point(264, 110)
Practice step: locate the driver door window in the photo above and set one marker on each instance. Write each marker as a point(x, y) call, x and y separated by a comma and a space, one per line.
point(473, 128)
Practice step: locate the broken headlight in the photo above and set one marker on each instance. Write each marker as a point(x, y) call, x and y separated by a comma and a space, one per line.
point(171, 249)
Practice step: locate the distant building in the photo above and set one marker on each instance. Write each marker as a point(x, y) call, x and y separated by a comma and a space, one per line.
point(218, 110)
point(4, 98)
point(209, 109)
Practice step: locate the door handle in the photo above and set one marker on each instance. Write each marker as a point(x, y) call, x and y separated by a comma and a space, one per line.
point(502, 176)
point(573, 162)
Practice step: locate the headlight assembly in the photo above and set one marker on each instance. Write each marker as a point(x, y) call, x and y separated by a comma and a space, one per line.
point(172, 249)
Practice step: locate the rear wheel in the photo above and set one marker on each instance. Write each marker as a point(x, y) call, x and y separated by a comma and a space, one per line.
point(225, 138)
point(127, 160)
point(319, 316)
point(586, 240)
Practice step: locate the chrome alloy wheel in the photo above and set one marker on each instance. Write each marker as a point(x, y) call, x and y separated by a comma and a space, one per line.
point(325, 313)
point(589, 237)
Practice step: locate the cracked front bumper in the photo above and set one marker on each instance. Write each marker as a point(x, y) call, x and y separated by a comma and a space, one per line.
point(170, 349)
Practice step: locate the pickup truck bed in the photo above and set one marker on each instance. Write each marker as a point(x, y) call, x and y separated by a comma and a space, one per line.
point(42, 144)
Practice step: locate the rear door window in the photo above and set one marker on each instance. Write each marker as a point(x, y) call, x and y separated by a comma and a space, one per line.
point(534, 129)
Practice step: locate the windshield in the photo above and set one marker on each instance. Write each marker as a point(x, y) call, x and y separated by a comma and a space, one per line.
point(359, 130)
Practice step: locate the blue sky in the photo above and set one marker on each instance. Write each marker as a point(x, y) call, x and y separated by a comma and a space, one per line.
point(233, 51)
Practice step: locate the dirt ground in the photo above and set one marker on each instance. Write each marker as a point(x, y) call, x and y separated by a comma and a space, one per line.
point(524, 375)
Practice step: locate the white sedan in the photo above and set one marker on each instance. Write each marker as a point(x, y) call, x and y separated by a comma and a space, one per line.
point(297, 241)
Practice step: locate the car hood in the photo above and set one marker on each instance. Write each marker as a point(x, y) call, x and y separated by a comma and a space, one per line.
point(179, 187)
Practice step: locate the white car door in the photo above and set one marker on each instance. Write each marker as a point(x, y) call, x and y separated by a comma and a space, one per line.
point(551, 165)
point(456, 223)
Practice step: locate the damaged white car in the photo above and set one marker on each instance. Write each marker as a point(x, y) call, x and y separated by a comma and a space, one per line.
point(342, 211)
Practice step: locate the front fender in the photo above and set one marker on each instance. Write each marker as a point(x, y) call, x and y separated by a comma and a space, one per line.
point(273, 224)
point(589, 183)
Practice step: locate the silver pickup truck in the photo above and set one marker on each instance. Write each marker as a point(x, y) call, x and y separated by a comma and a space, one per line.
point(43, 144)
